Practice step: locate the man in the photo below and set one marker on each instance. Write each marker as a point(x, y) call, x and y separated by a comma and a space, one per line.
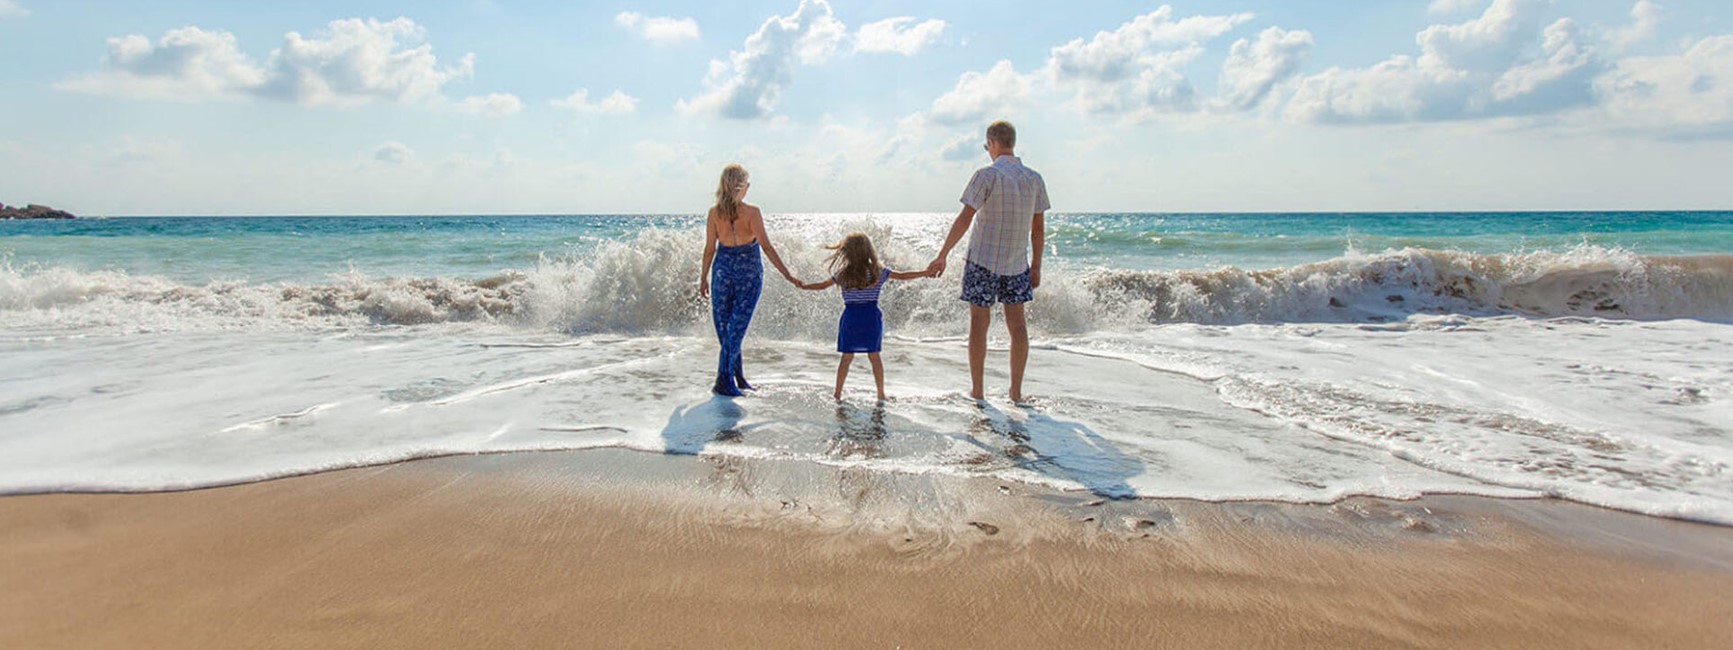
point(1006, 203)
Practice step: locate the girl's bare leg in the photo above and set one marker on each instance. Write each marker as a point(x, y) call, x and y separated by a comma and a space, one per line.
point(878, 373)
point(842, 374)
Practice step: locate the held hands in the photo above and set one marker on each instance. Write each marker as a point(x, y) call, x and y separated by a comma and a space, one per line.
point(937, 267)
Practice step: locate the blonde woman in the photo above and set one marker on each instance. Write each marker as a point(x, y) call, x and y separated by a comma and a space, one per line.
point(733, 235)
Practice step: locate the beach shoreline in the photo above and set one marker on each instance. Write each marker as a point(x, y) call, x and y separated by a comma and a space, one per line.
point(620, 548)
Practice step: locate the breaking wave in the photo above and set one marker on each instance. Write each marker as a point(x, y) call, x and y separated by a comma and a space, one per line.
point(647, 285)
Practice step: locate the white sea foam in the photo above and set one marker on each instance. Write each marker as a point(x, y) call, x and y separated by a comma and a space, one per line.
point(1588, 374)
point(1622, 414)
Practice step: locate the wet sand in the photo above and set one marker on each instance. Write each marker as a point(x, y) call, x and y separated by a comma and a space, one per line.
point(612, 548)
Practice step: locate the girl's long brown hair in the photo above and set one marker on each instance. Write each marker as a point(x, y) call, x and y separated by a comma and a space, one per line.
point(855, 264)
point(727, 198)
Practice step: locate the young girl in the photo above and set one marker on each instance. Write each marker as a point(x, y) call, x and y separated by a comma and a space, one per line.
point(855, 267)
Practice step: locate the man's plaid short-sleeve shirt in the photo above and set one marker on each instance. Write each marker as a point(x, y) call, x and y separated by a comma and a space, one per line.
point(1005, 195)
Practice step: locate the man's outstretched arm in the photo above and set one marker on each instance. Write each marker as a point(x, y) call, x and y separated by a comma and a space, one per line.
point(958, 227)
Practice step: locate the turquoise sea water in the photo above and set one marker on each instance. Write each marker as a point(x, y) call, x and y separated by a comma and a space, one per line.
point(304, 249)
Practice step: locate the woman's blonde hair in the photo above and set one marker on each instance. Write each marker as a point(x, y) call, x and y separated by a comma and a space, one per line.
point(855, 264)
point(727, 191)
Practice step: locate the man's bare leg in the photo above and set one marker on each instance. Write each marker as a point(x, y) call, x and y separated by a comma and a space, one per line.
point(979, 319)
point(1019, 330)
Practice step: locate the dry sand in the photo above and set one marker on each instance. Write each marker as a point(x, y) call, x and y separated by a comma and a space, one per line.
point(621, 549)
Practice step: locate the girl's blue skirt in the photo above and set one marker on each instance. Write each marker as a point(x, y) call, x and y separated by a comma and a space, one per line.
point(862, 328)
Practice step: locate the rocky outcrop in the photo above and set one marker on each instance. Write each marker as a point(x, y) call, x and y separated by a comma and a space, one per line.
point(32, 211)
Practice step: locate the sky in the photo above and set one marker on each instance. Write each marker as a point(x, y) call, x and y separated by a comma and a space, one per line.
point(182, 107)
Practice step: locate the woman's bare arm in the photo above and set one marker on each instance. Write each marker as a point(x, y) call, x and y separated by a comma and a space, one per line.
point(709, 254)
point(755, 217)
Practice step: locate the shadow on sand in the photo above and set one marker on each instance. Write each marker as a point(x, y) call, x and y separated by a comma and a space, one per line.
point(1058, 448)
point(693, 427)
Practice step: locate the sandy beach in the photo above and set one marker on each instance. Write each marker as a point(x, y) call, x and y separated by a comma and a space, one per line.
point(611, 548)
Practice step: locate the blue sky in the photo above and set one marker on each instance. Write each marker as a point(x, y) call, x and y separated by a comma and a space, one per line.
point(499, 106)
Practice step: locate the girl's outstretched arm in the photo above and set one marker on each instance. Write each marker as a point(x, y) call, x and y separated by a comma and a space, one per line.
point(910, 275)
point(709, 255)
point(816, 286)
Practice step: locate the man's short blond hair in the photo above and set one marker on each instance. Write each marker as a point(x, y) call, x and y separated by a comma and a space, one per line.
point(1003, 134)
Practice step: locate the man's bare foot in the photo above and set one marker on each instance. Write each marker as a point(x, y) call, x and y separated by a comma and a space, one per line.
point(837, 394)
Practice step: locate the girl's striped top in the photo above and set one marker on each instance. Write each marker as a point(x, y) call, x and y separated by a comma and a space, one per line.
point(868, 295)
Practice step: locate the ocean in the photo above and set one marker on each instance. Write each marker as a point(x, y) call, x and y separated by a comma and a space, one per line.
point(1289, 357)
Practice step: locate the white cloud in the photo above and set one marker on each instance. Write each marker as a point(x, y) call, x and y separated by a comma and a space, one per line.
point(964, 148)
point(1453, 7)
point(658, 30)
point(1686, 92)
point(11, 9)
point(351, 62)
point(891, 35)
point(616, 103)
point(1395, 90)
point(185, 64)
point(1645, 17)
point(1492, 41)
point(491, 105)
point(979, 95)
point(1140, 65)
point(355, 61)
point(1252, 69)
point(1473, 69)
point(749, 84)
point(393, 153)
point(1563, 78)
point(824, 33)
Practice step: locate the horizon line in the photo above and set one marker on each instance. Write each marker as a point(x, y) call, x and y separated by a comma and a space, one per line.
point(892, 212)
